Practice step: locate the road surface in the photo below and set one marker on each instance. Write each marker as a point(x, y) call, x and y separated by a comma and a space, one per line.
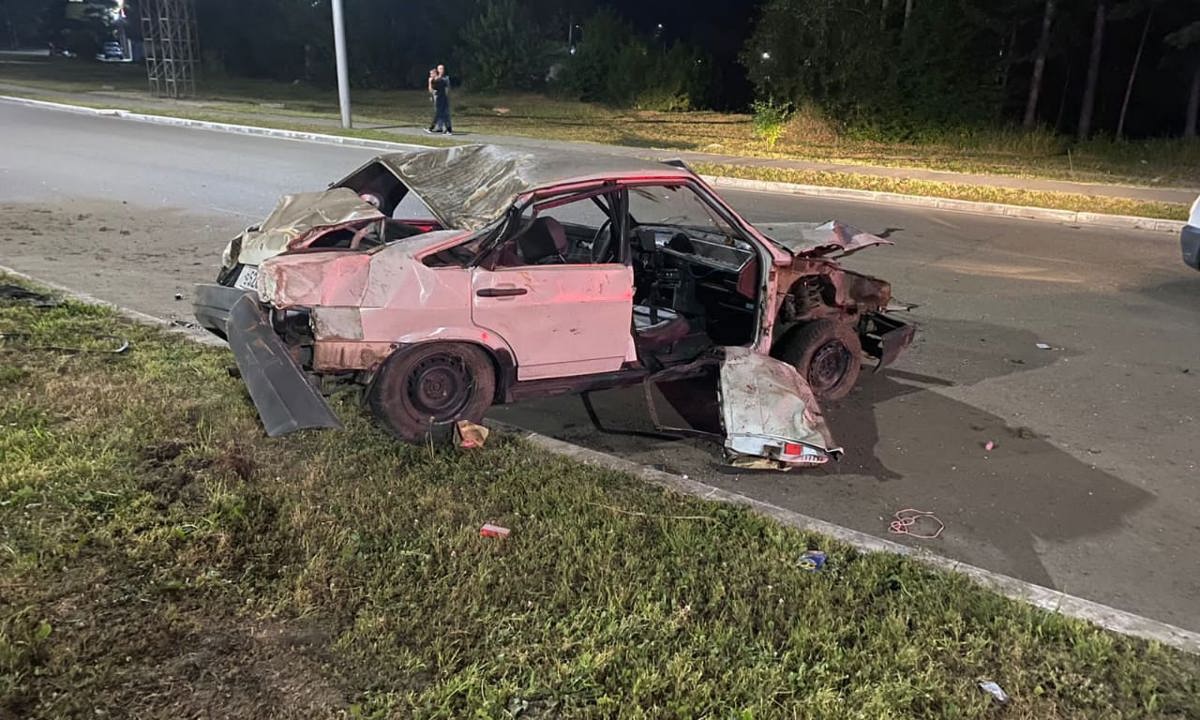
point(1093, 486)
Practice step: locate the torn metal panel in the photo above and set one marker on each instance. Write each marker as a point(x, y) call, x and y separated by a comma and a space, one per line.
point(769, 411)
point(829, 239)
point(471, 186)
point(285, 399)
point(297, 215)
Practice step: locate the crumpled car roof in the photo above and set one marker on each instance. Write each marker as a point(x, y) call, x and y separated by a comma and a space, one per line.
point(471, 186)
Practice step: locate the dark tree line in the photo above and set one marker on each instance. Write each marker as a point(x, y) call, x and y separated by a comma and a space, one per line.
point(1117, 66)
point(886, 68)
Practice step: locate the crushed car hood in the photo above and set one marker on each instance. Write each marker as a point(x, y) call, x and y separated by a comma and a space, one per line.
point(298, 214)
point(808, 239)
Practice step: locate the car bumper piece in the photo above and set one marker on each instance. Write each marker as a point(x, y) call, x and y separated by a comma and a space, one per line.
point(285, 399)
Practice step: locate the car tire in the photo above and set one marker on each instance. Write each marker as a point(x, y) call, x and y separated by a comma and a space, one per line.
point(420, 392)
point(827, 354)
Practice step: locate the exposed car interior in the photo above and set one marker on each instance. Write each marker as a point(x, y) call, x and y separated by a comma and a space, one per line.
point(370, 234)
point(696, 281)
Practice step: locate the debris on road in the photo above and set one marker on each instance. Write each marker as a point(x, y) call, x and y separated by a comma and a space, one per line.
point(990, 445)
point(994, 690)
point(493, 531)
point(812, 560)
point(469, 435)
point(916, 523)
point(1043, 346)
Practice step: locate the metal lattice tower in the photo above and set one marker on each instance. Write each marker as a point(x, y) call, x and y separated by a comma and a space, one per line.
point(169, 33)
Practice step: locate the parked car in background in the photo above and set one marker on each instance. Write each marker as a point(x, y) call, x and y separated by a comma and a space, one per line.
point(1190, 238)
point(111, 50)
point(528, 276)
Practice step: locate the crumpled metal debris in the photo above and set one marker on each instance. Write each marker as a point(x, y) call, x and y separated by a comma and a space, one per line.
point(469, 435)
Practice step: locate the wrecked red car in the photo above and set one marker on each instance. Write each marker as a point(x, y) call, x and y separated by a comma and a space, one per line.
point(444, 281)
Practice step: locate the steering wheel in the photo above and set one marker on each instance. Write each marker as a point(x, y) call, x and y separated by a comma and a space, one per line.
point(601, 241)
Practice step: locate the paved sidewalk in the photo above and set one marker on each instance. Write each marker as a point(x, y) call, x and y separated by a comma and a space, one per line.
point(411, 133)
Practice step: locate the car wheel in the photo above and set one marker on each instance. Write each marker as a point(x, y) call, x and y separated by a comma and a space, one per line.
point(828, 354)
point(421, 391)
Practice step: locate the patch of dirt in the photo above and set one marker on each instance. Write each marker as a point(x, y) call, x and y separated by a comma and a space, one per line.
point(241, 670)
point(170, 479)
point(235, 461)
point(135, 256)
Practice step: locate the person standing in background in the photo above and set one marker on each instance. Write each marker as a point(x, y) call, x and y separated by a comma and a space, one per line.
point(441, 101)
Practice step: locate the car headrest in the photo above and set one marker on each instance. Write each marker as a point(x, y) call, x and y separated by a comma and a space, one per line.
point(545, 238)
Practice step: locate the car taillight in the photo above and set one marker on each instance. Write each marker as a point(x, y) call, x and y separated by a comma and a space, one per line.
point(793, 449)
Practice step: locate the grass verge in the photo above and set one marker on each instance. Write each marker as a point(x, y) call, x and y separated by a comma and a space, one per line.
point(807, 136)
point(160, 558)
point(952, 191)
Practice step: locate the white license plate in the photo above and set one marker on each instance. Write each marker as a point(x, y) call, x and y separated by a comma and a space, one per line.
point(247, 279)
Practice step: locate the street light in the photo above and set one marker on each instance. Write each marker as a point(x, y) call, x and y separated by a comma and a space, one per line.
point(766, 56)
point(343, 72)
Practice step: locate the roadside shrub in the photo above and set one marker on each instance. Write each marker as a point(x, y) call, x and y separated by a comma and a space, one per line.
point(810, 125)
point(613, 65)
point(770, 120)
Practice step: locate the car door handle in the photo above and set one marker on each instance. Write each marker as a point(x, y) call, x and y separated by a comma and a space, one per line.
point(501, 292)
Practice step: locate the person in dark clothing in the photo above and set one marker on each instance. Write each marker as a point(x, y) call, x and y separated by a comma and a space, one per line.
point(441, 101)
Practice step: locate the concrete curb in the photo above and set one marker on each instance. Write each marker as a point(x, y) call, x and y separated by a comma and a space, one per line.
point(1069, 217)
point(384, 145)
point(1103, 616)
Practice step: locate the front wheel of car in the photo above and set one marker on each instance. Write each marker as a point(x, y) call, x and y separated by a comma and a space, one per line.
point(827, 353)
point(422, 391)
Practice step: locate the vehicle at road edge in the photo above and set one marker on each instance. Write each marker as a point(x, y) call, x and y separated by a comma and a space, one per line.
point(1189, 238)
point(444, 281)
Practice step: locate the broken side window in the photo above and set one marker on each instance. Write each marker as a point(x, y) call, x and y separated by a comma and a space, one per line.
point(573, 229)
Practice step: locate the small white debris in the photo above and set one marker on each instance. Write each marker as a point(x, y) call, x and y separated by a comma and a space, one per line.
point(994, 690)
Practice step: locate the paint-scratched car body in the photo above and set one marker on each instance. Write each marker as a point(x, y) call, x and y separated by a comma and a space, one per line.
point(445, 281)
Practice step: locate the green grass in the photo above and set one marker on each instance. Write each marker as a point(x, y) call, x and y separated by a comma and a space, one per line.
point(160, 558)
point(953, 191)
point(807, 136)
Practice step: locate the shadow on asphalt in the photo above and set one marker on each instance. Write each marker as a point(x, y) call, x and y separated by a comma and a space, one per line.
point(908, 444)
point(1183, 293)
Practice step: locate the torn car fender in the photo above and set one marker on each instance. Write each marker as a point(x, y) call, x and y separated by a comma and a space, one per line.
point(770, 413)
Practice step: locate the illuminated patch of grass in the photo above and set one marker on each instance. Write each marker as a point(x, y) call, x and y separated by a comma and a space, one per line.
point(952, 191)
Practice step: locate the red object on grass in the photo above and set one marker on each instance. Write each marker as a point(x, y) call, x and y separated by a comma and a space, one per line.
point(493, 531)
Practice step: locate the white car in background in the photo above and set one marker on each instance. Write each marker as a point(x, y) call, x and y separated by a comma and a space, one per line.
point(1189, 239)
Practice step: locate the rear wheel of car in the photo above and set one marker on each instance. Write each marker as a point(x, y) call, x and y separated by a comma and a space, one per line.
point(423, 390)
point(827, 353)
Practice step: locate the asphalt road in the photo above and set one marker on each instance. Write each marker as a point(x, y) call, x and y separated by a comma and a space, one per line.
point(1093, 486)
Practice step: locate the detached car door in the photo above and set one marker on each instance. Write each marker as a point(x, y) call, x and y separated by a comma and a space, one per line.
point(562, 311)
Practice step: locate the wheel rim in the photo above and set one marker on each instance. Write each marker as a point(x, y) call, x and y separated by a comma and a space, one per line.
point(440, 387)
point(829, 366)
